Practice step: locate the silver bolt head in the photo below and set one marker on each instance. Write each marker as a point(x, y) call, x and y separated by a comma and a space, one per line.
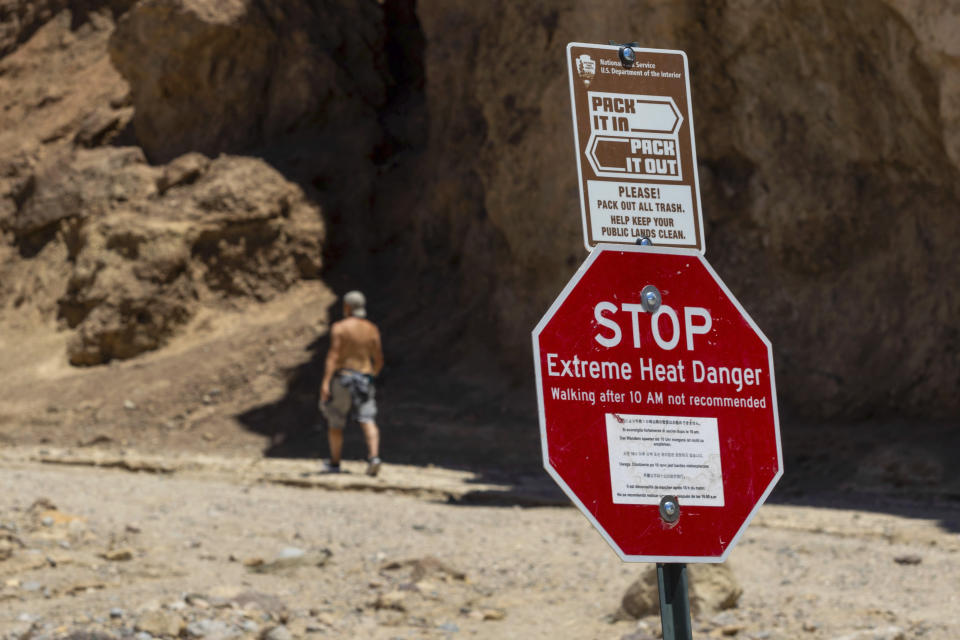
point(627, 56)
point(650, 298)
point(669, 509)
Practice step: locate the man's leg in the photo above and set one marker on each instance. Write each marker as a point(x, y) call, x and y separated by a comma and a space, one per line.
point(372, 436)
point(335, 437)
point(336, 410)
point(366, 414)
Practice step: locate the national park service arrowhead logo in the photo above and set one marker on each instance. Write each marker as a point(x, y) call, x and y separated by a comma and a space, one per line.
point(586, 69)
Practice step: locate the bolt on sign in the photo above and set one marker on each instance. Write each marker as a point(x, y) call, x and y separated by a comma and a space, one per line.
point(658, 408)
point(636, 155)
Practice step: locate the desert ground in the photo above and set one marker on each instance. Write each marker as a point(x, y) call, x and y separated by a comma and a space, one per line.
point(102, 543)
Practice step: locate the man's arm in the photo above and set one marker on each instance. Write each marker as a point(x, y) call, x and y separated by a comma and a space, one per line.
point(333, 356)
point(377, 353)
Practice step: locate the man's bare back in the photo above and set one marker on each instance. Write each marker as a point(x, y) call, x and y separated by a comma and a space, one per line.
point(355, 345)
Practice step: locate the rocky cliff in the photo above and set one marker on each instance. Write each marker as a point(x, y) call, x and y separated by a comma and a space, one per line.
point(163, 156)
point(827, 142)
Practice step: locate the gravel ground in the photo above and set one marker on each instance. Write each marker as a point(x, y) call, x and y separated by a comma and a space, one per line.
point(217, 553)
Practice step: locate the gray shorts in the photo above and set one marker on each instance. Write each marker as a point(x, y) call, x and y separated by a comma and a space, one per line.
point(352, 397)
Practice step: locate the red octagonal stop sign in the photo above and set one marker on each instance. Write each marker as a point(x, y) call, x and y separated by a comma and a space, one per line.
point(653, 383)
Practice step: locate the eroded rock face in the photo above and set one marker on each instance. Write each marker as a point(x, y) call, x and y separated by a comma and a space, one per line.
point(303, 84)
point(238, 229)
point(59, 94)
point(140, 247)
point(222, 76)
point(19, 19)
point(122, 252)
point(826, 137)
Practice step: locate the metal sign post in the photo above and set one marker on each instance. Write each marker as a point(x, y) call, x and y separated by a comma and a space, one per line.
point(672, 583)
point(674, 601)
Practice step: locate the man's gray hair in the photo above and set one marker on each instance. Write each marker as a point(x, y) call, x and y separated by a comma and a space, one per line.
point(357, 302)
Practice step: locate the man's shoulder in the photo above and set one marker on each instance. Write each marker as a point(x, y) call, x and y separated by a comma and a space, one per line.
point(372, 328)
point(354, 322)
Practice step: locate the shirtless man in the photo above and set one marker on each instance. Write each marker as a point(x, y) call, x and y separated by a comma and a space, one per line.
point(347, 392)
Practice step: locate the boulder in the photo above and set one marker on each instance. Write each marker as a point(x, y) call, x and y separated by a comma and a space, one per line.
point(7, 545)
point(84, 185)
point(160, 623)
point(142, 270)
point(278, 632)
point(642, 597)
point(711, 588)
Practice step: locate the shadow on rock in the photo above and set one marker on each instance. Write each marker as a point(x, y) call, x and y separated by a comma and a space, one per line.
point(292, 423)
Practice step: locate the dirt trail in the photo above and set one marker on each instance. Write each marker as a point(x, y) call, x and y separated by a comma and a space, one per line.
point(220, 547)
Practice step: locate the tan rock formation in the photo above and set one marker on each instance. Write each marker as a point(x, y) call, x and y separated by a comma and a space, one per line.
point(121, 251)
point(828, 138)
point(222, 76)
point(239, 229)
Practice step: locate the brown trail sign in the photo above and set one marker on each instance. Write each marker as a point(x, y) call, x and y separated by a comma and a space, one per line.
point(636, 156)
